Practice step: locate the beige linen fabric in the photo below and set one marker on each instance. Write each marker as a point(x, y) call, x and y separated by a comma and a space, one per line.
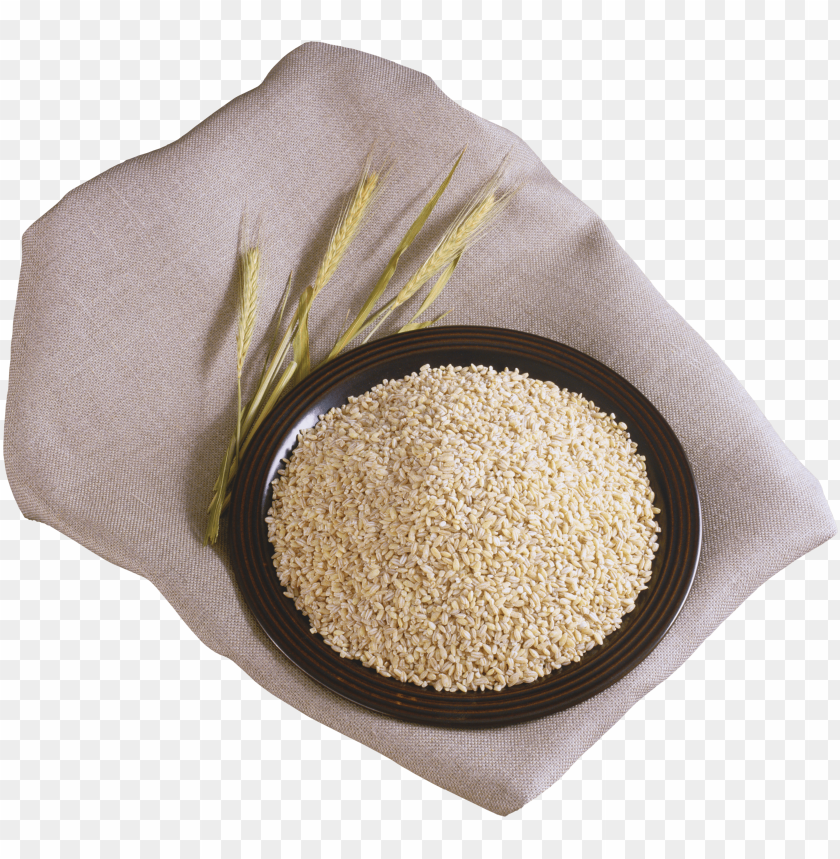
point(122, 385)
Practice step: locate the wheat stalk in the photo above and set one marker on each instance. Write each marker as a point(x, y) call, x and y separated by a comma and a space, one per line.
point(272, 382)
point(279, 388)
point(301, 342)
point(467, 228)
point(249, 269)
point(460, 234)
point(360, 322)
point(470, 224)
point(349, 222)
point(347, 227)
point(433, 293)
point(250, 418)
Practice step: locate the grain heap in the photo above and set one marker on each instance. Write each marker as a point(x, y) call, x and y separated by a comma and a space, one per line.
point(464, 528)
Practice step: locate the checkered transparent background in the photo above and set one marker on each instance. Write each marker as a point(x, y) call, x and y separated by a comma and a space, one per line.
point(705, 135)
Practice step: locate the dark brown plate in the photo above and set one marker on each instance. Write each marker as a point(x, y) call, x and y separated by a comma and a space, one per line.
point(358, 371)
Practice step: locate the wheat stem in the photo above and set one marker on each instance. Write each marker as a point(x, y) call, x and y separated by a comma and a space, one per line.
point(279, 313)
point(433, 293)
point(255, 411)
point(212, 532)
point(245, 418)
point(417, 326)
point(301, 342)
point(279, 388)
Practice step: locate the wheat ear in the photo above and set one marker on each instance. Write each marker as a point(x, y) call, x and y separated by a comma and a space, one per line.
point(465, 230)
point(461, 234)
point(365, 315)
point(348, 226)
point(349, 222)
point(249, 269)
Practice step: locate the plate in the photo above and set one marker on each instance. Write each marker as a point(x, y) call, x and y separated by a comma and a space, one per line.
point(394, 357)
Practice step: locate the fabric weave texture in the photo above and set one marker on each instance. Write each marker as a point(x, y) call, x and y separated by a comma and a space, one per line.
point(122, 388)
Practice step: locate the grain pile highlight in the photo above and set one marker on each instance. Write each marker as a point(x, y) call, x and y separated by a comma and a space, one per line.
point(464, 528)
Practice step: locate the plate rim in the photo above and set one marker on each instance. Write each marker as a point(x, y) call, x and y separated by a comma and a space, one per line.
point(328, 377)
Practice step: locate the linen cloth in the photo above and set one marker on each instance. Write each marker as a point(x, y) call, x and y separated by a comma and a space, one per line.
point(122, 385)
